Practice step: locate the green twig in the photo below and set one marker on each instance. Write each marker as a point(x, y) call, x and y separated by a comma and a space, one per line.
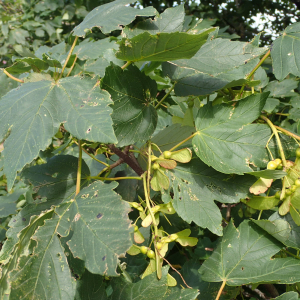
point(273, 127)
point(115, 178)
point(126, 65)
point(286, 132)
point(165, 96)
point(79, 168)
point(74, 62)
point(68, 57)
point(185, 140)
point(291, 254)
point(254, 70)
point(12, 77)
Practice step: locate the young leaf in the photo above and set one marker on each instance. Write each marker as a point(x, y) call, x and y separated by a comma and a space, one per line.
point(237, 262)
point(134, 116)
point(161, 46)
point(111, 16)
point(260, 186)
point(225, 141)
point(262, 202)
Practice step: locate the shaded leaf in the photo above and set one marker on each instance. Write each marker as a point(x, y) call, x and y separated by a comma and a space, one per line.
point(133, 115)
point(56, 180)
point(262, 202)
point(111, 16)
point(288, 296)
point(148, 288)
point(90, 287)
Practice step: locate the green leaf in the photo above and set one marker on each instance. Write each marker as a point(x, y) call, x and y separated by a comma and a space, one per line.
point(288, 296)
point(17, 246)
point(285, 58)
point(111, 16)
point(101, 228)
point(28, 279)
point(237, 262)
point(6, 84)
point(134, 116)
point(262, 202)
point(218, 64)
point(90, 49)
point(171, 20)
point(148, 288)
point(182, 294)
point(268, 174)
point(281, 89)
point(9, 201)
point(56, 180)
point(34, 112)
point(90, 287)
point(224, 139)
point(161, 46)
point(196, 186)
point(283, 228)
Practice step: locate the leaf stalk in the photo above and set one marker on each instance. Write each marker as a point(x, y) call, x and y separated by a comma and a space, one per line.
point(12, 77)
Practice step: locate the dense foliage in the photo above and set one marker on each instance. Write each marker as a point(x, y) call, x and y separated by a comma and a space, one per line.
point(146, 156)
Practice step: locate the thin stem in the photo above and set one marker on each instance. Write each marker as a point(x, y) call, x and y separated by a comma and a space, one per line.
point(126, 65)
point(291, 254)
point(68, 57)
point(254, 70)
point(286, 132)
point(165, 96)
point(273, 127)
point(148, 202)
point(93, 157)
point(115, 178)
point(221, 290)
point(185, 140)
point(12, 77)
point(79, 168)
point(259, 215)
point(74, 62)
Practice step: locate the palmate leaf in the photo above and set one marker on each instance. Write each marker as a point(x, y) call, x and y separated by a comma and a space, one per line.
point(196, 186)
point(285, 58)
point(101, 228)
point(34, 111)
point(111, 16)
point(243, 257)
point(224, 139)
point(134, 116)
point(161, 46)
